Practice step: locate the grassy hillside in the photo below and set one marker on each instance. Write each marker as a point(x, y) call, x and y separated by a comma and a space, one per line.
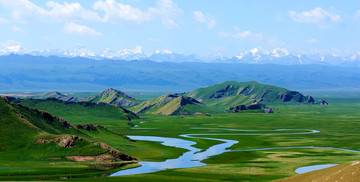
point(81, 112)
point(233, 93)
point(27, 133)
point(113, 97)
point(172, 105)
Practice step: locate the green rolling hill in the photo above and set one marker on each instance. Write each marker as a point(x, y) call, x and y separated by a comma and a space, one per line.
point(172, 104)
point(34, 135)
point(80, 112)
point(222, 97)
point(113, 97)
point(232, 93)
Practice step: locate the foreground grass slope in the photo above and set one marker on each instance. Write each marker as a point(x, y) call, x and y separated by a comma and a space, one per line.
point(37, 138)
point(344, 172)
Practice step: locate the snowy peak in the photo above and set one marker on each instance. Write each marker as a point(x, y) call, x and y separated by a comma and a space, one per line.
point(256, 55)
point(280, 52)
point(163, 52)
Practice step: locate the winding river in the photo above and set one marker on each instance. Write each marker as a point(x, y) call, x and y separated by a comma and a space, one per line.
point(194, 156)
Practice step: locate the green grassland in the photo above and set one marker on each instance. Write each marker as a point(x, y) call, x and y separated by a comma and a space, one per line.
point(338, 123)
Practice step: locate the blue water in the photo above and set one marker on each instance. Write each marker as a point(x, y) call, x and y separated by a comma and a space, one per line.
point(306, 169)
point(193, 156)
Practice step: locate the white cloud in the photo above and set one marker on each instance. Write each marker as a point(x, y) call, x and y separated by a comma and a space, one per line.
point(24, 10)
point(47, 38)
point(205, 18)
point(154, 40)
point(245, 35)
point(312, 41)
point(250, 36)
point(167, 11)
point(357, 14)
point(3, 20)
point(16, 29)
point(116, 12)
point(316, 16)
point(73, 28)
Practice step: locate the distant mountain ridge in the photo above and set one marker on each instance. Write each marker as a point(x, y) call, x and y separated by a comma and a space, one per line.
point(21, 73)
point(57, 95)
point(256, 55)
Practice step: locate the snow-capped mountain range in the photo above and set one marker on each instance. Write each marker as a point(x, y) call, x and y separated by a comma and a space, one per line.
point(255, 56)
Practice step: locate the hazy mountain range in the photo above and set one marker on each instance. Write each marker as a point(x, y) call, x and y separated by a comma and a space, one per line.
point(29, 73)
point(255, 56)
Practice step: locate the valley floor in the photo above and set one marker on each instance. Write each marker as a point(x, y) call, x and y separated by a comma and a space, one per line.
point(338, 123)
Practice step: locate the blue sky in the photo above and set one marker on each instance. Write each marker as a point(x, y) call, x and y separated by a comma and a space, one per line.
point(203, 27)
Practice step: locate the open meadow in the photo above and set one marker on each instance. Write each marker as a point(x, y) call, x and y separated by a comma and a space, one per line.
point(278, 152)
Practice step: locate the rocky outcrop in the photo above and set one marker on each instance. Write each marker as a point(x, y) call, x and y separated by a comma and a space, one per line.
point(87, 127)
point(268, 110)
point(254, 106)
point(93, 158)
point(64, 122)
point(115, 152)
point(310, 99)
point(323, 102)
point(238, 108)
point(65, 141)
point(227, 91)
point(285, 97)
point(52, 118)
point(188, 100)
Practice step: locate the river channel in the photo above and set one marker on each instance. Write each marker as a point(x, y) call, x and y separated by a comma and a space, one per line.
point(194, 156)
